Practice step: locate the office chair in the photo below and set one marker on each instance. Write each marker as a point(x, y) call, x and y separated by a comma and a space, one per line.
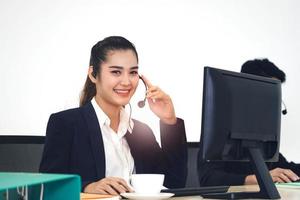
point(21, 153)
point(192, 176)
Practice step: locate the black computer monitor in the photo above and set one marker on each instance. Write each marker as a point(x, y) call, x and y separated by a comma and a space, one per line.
point(241, 117)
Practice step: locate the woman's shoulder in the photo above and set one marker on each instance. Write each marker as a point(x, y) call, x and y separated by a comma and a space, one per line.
point(73, 114)
point(67, 113)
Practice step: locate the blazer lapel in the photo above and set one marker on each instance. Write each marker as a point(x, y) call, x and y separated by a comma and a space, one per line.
point(96, 139)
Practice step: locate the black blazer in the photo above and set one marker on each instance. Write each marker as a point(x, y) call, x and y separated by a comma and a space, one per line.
point(74, 145)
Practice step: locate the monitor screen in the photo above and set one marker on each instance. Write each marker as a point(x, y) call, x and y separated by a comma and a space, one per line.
point(239, 109)
point(241, 116)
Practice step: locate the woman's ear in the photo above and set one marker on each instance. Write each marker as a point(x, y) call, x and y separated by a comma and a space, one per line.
point(91, 75)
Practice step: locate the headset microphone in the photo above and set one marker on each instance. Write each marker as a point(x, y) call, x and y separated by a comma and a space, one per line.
point(284, 111)
point(142, 103)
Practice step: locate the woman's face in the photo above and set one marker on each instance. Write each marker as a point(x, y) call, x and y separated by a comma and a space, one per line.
point(118, 78)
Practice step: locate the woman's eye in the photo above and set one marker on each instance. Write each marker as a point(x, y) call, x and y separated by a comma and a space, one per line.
point(134, 73)
point(116, 72)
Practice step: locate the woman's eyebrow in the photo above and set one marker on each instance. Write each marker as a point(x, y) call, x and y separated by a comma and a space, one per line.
point(119, 67)
point(135, 67)
point(116, 67)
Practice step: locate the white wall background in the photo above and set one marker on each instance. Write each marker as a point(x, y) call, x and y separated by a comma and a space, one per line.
point(45, 46)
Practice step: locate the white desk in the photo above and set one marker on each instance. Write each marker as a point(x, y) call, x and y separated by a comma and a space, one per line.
point(285, 193)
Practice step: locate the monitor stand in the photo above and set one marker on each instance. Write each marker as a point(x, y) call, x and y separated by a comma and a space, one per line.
point(266, 185)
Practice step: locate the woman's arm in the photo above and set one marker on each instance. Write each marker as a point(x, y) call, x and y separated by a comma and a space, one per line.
point(174, 147)
point(173, 137)
point(58, 144)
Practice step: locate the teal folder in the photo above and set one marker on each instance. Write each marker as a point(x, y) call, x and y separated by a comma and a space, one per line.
point(40, 186)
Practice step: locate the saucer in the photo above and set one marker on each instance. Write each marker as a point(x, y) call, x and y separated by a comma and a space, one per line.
point(137, 196)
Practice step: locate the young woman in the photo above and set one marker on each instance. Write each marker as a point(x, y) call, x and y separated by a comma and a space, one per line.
point(99, 140)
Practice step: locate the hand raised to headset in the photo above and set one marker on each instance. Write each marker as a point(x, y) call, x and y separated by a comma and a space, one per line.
point(160, 103)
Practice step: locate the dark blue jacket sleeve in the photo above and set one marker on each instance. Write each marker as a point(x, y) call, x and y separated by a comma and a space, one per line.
point(174, 146)
point(58, 144)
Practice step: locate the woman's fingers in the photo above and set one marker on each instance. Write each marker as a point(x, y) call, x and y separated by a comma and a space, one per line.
point(156, 93)
point(110, 190)
point(160, 103)
point(116, 187)
point(124, 184)
point(111, 185)
point(101, 191)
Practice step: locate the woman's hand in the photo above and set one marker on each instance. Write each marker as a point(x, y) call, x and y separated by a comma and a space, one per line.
point(160, 103)
point(278, 175)
point(109, 185)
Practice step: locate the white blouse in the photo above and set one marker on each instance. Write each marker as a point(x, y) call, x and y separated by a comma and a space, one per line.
point(118, 159)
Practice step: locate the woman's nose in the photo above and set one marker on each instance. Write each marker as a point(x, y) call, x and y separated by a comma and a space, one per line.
point(125, 80)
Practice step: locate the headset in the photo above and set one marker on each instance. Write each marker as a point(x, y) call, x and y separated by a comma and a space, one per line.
point(284, 111)
point(141, 103)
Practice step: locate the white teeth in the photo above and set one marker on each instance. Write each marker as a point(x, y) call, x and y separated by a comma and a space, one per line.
point(122, 91)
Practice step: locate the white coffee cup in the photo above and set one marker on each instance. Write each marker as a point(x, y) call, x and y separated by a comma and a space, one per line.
point(147, 183)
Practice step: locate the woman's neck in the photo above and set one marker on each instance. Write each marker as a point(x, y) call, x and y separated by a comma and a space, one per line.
point(112, 111)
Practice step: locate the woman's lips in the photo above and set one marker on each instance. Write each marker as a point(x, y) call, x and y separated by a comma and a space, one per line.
point(122, 92)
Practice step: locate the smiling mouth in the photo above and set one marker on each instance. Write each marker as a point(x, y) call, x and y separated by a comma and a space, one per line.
point(122, 91)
